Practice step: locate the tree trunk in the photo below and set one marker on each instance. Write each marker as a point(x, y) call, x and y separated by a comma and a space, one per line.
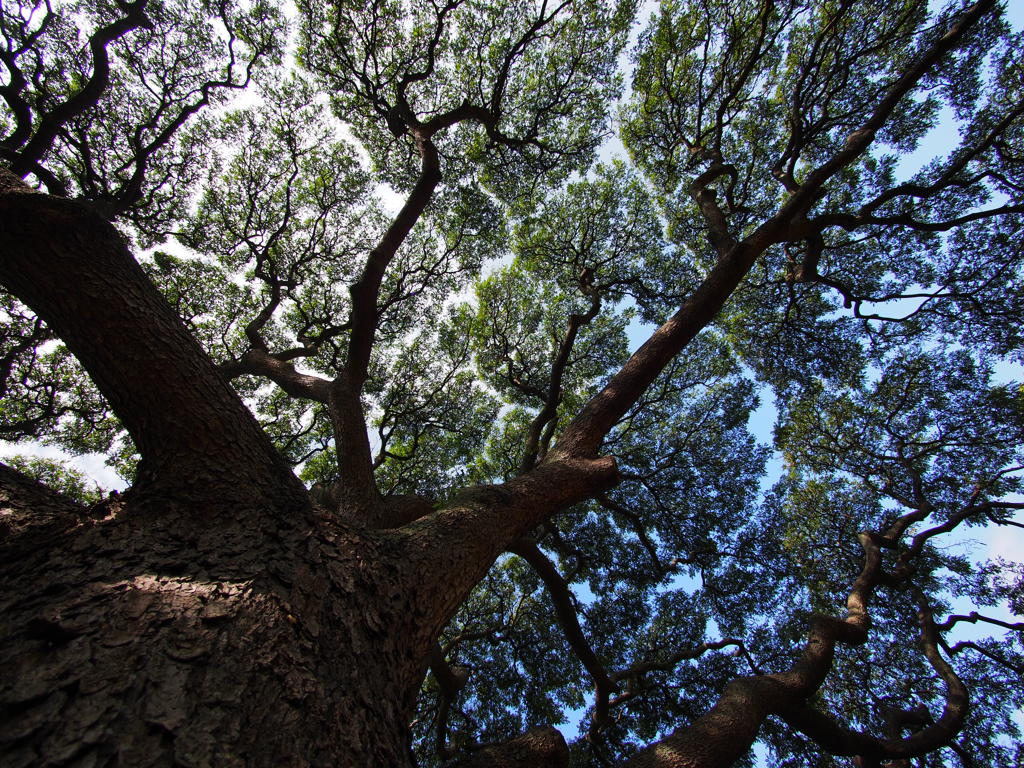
point(129, 641)
point(212, 616)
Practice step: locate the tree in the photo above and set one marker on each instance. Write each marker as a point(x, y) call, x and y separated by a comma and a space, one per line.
point(501, 514)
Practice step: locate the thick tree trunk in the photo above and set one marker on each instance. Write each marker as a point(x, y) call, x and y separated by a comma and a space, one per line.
point(127, 641)
point(212, 616)
point(287, 639)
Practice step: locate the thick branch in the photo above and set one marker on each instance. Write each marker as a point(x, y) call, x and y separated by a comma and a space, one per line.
point(565, 610)
point(355, 460)
point(723, 735)
point(838, 740)
point(259, 363)
point(357, 489)
point(585, 433)
point(542, 747)
point(366, 290)
point(195, 436)
point(27, 504)
point(449, 551)
point(707, 200)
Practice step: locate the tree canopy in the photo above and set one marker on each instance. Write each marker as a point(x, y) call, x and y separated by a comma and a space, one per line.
point(573, 342)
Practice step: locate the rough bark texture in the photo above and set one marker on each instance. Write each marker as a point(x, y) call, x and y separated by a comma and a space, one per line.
point(541, 747)
point(274, 640)
point(131, 642)
point(26, 505)
point(134, 640)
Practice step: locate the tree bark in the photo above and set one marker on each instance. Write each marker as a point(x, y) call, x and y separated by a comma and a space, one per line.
point(541, 747)
point(212, 616)
point(155, 639)
point(141, 640)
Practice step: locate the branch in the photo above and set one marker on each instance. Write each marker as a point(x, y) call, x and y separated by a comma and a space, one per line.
point(450, 683)
point(565, 610)
point(257, 362)
point(918, 542)
point(638, 528)
point(16, 84)
point(365, 291)
point(549, 411)
point(686, 654)
point(132, 191)
point(947, 178)
point(355, 460)
point(859, 140)
point(414, 77)
point(23, 161)
point(542, 747)
point(1015, 668)
point(838, 740)
point(195, 436)
point(850, 222)
point(974, 617)
point(26, 504)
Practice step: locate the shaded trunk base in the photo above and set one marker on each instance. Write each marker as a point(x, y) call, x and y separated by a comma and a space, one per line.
point(135, 645)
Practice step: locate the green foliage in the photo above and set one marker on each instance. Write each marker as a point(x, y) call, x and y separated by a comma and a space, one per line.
point(543, 74)
point(45, 393)
point(59, 476)
point(127, 150)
